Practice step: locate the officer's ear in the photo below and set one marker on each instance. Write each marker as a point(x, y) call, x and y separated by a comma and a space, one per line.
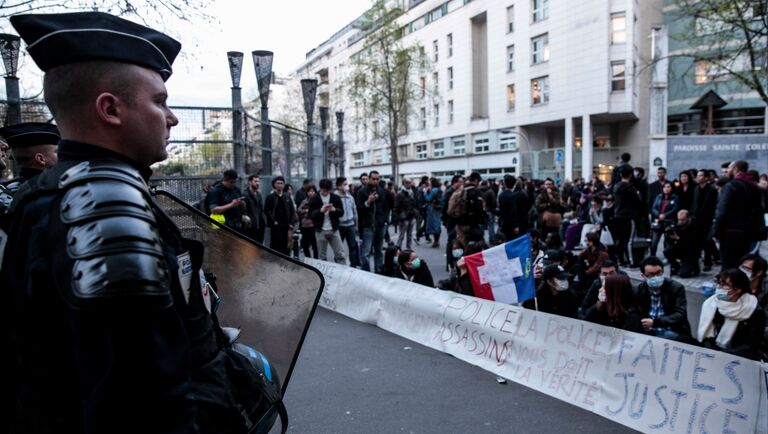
point(109, 108)
point(40, 159)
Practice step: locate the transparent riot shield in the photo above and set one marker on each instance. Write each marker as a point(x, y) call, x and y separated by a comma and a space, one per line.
point(270, 297)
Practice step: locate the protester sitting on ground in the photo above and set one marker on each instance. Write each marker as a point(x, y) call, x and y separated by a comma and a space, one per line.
point(755, 267)
point(615, 306)
point(608, 268)
point(452, 282)
point(662, 303)
point(731, 319)
point(412, 268)
point(589, 262)
point(553, 294)
point(391, 267)
point(457, 251)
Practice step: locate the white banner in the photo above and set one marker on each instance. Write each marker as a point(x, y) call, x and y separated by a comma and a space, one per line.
point(643, 382)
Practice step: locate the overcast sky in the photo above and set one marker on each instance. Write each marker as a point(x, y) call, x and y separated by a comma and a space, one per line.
point(289, 28)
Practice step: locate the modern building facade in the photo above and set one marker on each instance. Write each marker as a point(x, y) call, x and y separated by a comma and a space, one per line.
point(542, 88)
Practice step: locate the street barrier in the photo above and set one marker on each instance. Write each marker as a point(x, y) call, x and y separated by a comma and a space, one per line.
point(645, 383)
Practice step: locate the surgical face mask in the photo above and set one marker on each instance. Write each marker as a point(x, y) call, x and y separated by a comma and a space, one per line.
point(346, 188)
point(394, 260)
point(601, 295)
point(655, 282)
point(561, 285)
point(722, 294)
point(602, 278)
point(457, 253)
point(416, 263)
point(747, 272)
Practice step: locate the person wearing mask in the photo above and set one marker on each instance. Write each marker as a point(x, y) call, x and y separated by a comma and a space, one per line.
point(755, 268)
point(626, 207)
point(615, 306)
point(372, 211)
point(280, 212)
point(608, 268)
point(737, 217)
point(731, 319)
point(662, 302)
point(655, 188)
point(413, 269)
point(307, 225)
point(391, 267)
point(348, 221)
point(703, 213)
point(254, 209)
point(326, 210)
point(405, 210)
point(663, 214)
point(226, 199)
point(553, 294)
point(684, 190)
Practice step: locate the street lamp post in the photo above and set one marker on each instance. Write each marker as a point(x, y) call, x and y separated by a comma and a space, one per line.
point(324, 127)
point(309, 92)
point(9, 49)
point(235, 59)
point(262, 62)
point(340, 126)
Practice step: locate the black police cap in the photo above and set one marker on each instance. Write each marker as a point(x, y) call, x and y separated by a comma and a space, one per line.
point(60, 39)
point(30, 134)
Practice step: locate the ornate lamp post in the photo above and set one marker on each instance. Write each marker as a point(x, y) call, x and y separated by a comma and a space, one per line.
point(340, 126)
point(262, 62)
point(324, 127)
point(9, 49)
point(235, 69)
point(309, 92)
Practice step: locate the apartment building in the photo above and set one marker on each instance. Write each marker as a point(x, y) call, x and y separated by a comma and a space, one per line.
point(543, 88)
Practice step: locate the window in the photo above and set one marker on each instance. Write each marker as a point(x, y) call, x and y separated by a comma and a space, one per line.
point(450, 111)
point(707, 71)
point(482, 144)
point(423, 86)
point(459, 145)
point(357, 159)
point(510, 19)
point(540, 10)
point(510, 58)
point(404, 152)
point(540, 90)
point(450, 77)
point(619, 28)
point(510, 97)
point(423, 118)
point(375, 129)
point(421, 151)
point(434, 47)
point(435, 82)
point(378, 156)
point(508, 141)
point(438, 149)
point(618, 76)
point(436, 112)
point(540, 49)
point(449, 43)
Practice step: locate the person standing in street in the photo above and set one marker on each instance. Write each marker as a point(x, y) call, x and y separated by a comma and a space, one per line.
point(226, 199)
point(627, 205)
point(406, 208)
point(348, 221)
point(279, 211)
point(703, 213)
point(254, 208)
point(372, 210)
point(325, 210)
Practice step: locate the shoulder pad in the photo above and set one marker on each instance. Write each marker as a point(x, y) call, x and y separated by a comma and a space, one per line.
point(89, 171)
point(103, 198)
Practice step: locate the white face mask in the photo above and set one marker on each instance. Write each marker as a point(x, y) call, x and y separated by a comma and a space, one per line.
point(561, 285)
point(747, 272)
point(601, 295)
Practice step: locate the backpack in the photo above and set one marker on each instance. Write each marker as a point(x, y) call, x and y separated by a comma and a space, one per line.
point(457, 204)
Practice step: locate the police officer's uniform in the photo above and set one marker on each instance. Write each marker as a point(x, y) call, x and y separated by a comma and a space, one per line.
point(104, 298)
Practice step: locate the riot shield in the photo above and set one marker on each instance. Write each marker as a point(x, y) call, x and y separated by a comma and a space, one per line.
point(270, 297)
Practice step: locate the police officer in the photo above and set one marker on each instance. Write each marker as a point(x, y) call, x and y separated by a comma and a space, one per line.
point(104, 298)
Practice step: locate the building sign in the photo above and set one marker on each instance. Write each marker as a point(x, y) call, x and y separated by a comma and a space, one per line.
point(709, 152)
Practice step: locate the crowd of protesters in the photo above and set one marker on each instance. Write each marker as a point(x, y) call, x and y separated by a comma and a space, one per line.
point(583, 235)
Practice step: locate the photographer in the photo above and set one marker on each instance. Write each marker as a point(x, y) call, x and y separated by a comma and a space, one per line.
point(682, 250)
point(226, 199)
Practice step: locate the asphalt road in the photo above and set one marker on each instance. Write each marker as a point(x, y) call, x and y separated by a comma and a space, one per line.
point(356, 378)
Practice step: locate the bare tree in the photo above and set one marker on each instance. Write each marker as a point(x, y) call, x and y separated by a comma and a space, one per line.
point(726, 39)
point(386, 79)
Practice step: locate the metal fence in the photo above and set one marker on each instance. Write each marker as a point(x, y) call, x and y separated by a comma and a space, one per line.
point(204, 144)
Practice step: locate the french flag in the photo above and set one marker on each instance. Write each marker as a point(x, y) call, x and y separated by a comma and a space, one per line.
point(503, 273)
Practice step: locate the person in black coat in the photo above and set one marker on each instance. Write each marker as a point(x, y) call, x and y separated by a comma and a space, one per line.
point(615, 306)
point(609, 268)
point(703, 213)
point(616, 174)
point(372, 214)
point(662, 302)
point(627, 204)
point(326, 210)
point(254, 208)
point(513, 209)
point(279, 211)
point(735, 217)
point(413, 269)
point(655, 188)
point(554, 295)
